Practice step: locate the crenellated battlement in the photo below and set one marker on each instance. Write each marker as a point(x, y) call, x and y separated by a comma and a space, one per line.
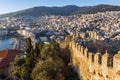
point(97, 64)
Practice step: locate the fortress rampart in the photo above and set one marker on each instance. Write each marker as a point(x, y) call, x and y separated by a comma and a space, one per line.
point(94, 66)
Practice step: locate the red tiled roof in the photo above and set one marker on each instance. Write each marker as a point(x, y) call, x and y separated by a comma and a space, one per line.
point(3, 53)
point(8, 56)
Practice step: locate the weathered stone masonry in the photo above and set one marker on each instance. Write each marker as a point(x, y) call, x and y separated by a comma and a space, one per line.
point(92, 66)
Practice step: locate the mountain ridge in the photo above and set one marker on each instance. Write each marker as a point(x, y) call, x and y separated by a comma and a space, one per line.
point(63, 11)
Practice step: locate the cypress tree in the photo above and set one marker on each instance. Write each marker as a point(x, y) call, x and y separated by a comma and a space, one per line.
point(36, 50)
point(28, 45)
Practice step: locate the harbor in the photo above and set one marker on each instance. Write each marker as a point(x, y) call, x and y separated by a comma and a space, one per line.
point(6, 44)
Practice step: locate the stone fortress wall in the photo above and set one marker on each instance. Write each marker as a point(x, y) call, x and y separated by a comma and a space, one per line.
point(94, 66)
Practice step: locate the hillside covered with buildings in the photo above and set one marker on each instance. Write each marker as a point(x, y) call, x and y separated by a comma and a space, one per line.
point(57, 47)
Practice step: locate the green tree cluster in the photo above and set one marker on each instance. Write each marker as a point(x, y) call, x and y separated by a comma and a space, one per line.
point(18, 70)
point(42, 62)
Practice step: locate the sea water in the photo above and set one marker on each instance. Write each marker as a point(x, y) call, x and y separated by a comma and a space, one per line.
point(6, 44)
